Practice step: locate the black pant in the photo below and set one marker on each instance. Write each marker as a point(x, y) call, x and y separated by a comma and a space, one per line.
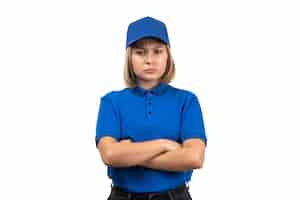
point(179, 193)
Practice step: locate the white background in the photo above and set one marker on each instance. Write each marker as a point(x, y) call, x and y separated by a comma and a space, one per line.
point(240, 57)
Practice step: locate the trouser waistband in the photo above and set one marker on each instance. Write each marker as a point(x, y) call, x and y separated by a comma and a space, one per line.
point(168, 194)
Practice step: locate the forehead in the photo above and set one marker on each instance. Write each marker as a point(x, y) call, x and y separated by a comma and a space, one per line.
point(148, 42)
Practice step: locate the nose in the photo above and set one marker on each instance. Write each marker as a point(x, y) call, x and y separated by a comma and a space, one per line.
point(148, 58)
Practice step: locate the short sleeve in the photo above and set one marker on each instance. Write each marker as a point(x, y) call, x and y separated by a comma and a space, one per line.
point(108, 121)
point(192, 125)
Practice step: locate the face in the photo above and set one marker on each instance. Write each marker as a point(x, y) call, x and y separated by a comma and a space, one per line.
point(149, 60)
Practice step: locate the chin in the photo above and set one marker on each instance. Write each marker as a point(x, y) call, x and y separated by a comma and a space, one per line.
point(150, 78)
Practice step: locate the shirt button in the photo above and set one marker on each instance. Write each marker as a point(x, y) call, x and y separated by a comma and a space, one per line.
point(149, 113)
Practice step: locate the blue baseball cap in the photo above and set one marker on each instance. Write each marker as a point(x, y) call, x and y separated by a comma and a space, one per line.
point(147, 27)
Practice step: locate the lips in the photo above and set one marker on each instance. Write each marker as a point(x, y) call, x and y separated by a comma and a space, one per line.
point(150, 70)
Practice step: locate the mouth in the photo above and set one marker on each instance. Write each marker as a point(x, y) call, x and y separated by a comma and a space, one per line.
point(150, 70)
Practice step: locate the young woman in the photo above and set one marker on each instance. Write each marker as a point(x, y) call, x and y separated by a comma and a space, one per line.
point(150, 134)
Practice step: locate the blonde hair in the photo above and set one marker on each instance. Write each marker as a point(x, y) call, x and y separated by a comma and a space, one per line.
point(130, 77)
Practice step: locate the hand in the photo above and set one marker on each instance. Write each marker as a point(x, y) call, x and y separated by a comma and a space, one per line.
point(125, 141)
point(170, 145)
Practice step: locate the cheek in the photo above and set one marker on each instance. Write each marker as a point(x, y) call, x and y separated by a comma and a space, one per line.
point(163, 62)
point(135, 61)
point(136, 64)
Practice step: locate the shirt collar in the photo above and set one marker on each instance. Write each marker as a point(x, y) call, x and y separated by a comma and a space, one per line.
point(157, 90)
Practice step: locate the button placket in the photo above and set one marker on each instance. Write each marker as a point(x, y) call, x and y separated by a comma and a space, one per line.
point(149, 104)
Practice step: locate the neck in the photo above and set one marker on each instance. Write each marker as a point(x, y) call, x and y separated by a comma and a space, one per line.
point(147, 84)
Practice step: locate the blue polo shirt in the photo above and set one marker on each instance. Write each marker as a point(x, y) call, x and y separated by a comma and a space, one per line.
point(161, 112)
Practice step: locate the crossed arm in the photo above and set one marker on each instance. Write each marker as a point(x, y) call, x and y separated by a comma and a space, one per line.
point(161, 154)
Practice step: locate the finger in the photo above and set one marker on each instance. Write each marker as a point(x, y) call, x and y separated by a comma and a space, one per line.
point(126, 140)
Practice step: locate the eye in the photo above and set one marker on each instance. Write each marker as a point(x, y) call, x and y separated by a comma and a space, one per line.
point(139, 52)
point(158, 51)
